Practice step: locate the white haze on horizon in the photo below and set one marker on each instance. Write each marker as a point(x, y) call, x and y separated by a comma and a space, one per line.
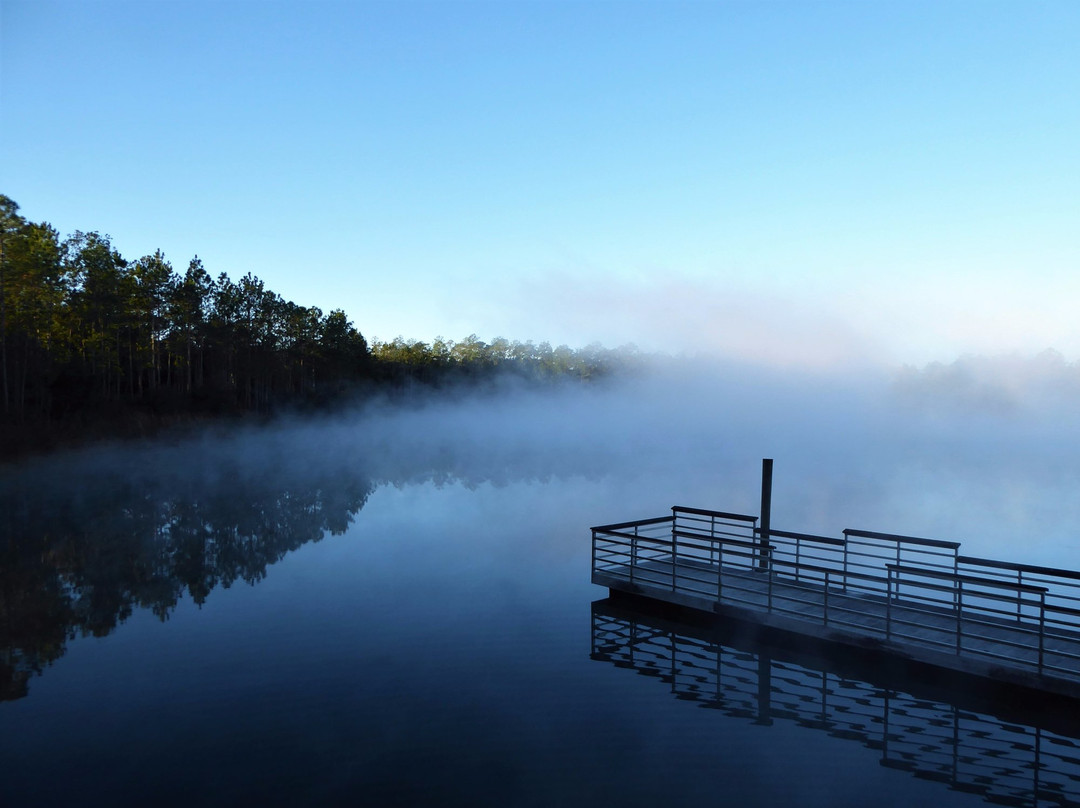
point(984, 451)
point(818, 321)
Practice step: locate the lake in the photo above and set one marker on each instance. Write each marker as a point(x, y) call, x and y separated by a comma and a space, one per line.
point(394, 607)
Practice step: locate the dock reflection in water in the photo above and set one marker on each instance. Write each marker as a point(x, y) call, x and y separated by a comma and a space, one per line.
point(1009, 750)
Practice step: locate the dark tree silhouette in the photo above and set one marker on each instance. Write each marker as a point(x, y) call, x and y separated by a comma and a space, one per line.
point(89, 338)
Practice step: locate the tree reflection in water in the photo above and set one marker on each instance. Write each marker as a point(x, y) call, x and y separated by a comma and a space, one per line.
point(82, 547)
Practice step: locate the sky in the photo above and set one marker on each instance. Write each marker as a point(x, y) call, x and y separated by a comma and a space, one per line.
point(791, 184)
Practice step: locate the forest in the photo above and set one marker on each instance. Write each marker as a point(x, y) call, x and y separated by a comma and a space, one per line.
point(88, 337)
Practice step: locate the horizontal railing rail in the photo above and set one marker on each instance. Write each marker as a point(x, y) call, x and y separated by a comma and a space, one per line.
point(1072, 575)
point(741, 517)
point(664, 540)
point(965, 579)
point(681, 534)
point(788, 534)
point(871, 534)
point(639, 523)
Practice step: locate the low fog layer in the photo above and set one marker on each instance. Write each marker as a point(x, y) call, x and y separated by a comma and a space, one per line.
point(984, 450)
point(807, 318)
point(91, 536)
point(1043, 385)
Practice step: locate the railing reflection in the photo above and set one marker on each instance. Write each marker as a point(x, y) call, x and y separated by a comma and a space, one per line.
point(1009, 751)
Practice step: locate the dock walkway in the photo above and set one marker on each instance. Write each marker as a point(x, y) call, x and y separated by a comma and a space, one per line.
point(913, 597)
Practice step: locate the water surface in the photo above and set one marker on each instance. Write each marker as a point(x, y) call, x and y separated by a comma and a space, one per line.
point(397, 610)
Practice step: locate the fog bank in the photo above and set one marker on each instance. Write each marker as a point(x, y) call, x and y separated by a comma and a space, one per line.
point(983, 450)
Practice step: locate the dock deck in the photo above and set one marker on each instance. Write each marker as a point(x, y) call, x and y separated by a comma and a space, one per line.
point(913, 597)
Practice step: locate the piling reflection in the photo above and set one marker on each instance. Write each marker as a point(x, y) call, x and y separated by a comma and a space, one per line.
point(79, 554)
point(1009, 751)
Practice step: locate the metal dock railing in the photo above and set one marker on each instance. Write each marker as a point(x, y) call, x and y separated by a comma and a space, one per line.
point(912, 596)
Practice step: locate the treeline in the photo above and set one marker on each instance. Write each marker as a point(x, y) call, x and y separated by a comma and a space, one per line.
point(84, 329)
point(472, 358)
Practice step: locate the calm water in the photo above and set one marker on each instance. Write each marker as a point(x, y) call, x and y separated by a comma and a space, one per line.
point(398, 611)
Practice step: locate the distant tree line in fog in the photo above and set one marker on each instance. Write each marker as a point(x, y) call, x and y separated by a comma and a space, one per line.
point(472, 357)
point(84, 331)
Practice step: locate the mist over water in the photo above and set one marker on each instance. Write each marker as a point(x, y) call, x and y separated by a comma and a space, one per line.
point(910, 452)
point(420, 579)
point(983, 451)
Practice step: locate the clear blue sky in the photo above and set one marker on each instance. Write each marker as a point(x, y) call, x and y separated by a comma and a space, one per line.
point(804, 182)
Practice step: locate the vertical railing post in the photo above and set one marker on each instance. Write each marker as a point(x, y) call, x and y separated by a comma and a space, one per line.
point(719, 572)
point(674, 554)
point(1042, 628)
point(594, 552)
point(888, 603)
point(845, 563)
point(1019, 594)
point(633, 553)
point(959, 614)
point(768, 597)
point(766, 513)
point(826, 609)
point(712, 538)
point(674, 544)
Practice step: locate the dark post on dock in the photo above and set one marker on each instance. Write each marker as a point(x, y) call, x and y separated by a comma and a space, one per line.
point(766, 512)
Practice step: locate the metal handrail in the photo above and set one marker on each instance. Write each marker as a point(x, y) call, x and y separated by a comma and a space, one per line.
point(1033, 569)
point(967, 579)
point(638, 536)
point(742, 517)
point(638, 523)
point(723, 540)
point(871, 534)
point(788, 534)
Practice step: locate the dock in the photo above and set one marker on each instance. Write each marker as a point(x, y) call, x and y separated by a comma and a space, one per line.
point(915, 598)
